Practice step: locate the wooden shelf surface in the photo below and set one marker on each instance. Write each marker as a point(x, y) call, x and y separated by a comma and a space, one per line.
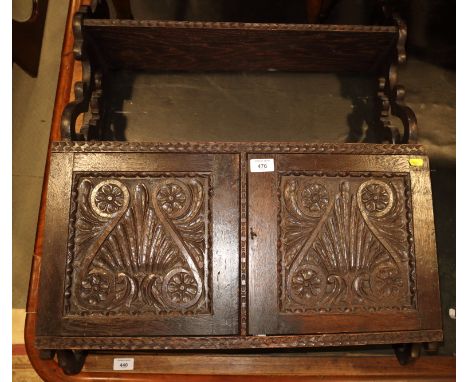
point(222, 46)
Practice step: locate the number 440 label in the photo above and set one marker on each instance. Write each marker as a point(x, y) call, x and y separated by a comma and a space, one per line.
point(123, 363)
point(262, 165)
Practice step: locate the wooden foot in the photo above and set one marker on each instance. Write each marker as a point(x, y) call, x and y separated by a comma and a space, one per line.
point(71, 361)
point(432, 347)
point(407, 353)
point(46, 354)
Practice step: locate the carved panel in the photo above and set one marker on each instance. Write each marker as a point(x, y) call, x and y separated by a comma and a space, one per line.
point(139, 243)
point(346, 242)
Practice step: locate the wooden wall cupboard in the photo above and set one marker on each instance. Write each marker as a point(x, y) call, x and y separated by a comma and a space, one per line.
point(182, 246)
point(155, 246)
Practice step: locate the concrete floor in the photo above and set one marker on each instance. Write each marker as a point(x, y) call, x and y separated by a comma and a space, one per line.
point(33, 102)
point(311, 107)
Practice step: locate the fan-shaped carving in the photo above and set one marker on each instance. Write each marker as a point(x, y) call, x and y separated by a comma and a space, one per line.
point(141, 245)
point(352, 252)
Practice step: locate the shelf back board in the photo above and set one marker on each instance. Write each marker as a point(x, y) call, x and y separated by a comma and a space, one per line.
point(221, 46)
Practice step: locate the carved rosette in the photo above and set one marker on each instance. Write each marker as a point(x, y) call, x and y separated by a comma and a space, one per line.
point(345, 244)
point(180, 288)
point(139, 245)
point(108, 198)
point(307, 284)
point(172, 198)
point(314, 198)
point(376, 197)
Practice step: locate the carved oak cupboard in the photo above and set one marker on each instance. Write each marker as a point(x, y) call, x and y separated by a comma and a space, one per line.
point(181, 246)
point(155, 246)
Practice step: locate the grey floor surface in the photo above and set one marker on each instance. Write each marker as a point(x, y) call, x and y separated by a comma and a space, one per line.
point(271, 106)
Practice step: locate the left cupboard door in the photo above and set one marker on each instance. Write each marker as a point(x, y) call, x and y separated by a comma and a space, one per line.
point(140, 244)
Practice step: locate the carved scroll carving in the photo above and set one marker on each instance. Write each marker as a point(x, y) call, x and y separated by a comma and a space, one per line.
point(346, 243)
point(139, 244)
point(391, 94)
point(88, 91)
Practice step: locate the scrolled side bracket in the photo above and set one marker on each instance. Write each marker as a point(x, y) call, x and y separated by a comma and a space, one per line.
point(391, 94)
point(397, 92)
point(88, 91)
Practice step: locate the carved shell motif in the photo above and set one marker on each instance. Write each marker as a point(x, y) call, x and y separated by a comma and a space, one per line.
point(343, 248)
point(140, 246)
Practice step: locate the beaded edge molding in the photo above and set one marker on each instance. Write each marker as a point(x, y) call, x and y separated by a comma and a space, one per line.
point(239, 25)
point(235, 147)
point(241, 342)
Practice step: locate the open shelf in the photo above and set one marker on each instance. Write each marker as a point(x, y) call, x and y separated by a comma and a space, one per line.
point(109, 46)
point(224, 46)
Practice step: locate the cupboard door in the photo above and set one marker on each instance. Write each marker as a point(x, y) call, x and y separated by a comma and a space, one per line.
point(141, 244)
point(341, 243)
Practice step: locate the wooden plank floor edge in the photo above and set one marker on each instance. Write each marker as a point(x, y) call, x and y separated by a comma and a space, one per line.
point(441, 368)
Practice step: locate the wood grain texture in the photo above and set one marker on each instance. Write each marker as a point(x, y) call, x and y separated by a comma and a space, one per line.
point(204, 46)
point(215, 367)
point(282, 365)
point(95, 295)
point(306, 256)
point(56, 225)
point(424, 239)
point(103, 298)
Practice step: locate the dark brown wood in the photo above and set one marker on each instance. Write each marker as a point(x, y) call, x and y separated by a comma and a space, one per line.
point(88, 90)
point(239, 342)
point(119, 218)
point(49, 369)
point(71, 361)
point(391, 94)
point(46, 354)
point(27, 38)
point(143, 256)
point(205, 46)
point(237, 147)
point(407, 353)
point(123, 9)
point(103, 44)
point(328, 257)
point(313, 10)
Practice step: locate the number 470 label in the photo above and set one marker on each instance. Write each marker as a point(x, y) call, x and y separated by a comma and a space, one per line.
point(262, 165)
point(123, 363)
